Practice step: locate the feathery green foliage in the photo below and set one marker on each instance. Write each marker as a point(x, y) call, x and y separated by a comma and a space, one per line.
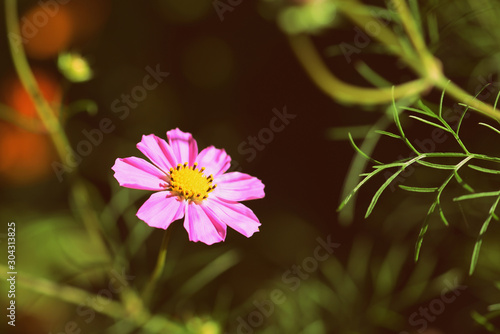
point(454, 163)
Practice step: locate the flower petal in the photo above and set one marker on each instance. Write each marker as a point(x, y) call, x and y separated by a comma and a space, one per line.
point(236, 186)
point(235, 215)
point(161, 209)
point(137, 173)
point(201, 227)
point(183, 146)
point(216, 161)
point(158, 151)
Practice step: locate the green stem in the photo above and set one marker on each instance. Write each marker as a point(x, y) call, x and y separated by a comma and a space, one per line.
point(45, 112)
point(12, 116)
point(421, 61)
point(160, 265)
point(133, 312)
point(461, 95)
point(51, 122)
point(361, 16)
point(430, 65)
point(341, 91)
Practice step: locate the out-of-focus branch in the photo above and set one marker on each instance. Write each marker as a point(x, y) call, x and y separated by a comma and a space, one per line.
point(418, 58)
point(134, 312)
point(12, 116)
point(338, 89)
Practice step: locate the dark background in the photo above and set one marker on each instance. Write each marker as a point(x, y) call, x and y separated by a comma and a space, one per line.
point(225, 79)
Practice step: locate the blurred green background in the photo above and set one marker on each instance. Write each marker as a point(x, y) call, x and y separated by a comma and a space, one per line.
point(225, 78)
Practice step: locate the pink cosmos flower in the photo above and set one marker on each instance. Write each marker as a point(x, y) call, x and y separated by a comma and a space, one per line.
point(191, 185)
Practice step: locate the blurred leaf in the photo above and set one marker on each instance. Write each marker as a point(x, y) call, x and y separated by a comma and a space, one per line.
point(208, 273)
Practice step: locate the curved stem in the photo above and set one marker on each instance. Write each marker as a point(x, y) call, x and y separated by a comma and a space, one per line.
point(421, 60)
point(51, 123)
point(160, 264)
point(29, 83)
point(341, 91)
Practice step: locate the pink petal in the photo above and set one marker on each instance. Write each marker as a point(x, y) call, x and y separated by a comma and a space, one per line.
point(161, 209)
point(158, 151)
point(201, 227)
point(235, 215)
point(216, 161)
point(183, 146)
point(236, 186)
point(137, 173)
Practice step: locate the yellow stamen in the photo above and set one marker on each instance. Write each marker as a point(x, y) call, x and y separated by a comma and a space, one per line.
point(190, 183)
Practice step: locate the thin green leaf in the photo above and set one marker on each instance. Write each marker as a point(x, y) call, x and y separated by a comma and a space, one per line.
point(491, 127)
point(396, 116)
point(436, 166)
point(467, 109)
point(475, 255)
point(451, 155)
point(380, 190)
point(211, 271)
point(361, 152)
point(477, 195)
point(479, 242)
point(418, 189)
point(390, 134)
point(441, 214)
point(359, 163)
point(397, 121)
point(440, 114)
point(461, 119)
point(462, 182)
point(485, 170)
point(496, 101)
point(426, 109)
point(468, 106)
point(425, 224)
point(421, 234)
point(419, 111)
point(393, 164)
point(429, 122)
point(369, 176)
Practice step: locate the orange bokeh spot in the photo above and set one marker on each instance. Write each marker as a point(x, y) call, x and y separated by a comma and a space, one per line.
point(15, 96)
point(26, 157)
point(88, 17)
point(46, 31)
point(51, 27)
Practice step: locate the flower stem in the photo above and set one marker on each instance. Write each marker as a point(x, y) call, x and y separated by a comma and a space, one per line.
point(344, 92)
point(131, 312)
point(51, 123)
point(160, 265)
point(45, 112)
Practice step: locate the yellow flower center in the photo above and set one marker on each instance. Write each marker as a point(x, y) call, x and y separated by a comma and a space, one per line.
point(190, 183)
